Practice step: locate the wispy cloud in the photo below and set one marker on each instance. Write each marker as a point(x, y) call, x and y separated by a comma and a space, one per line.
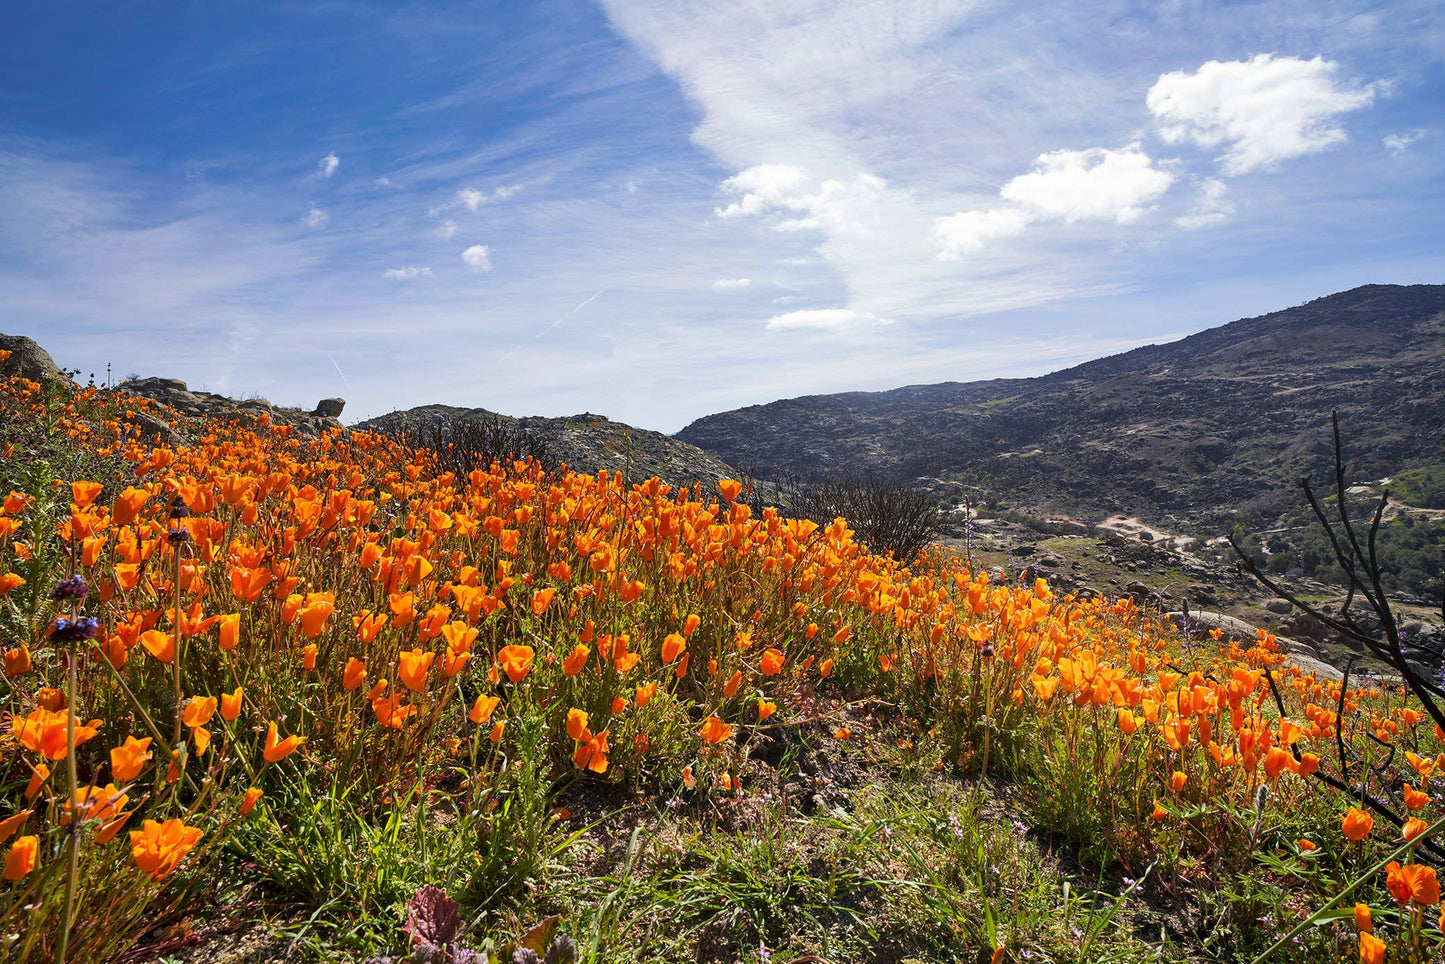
point(1398, 143)
point(826, 318)
point(407, 273)
point(327, 165)
point(732, 284)
point(315, 218)
point(1213, 207)
point(473, 199)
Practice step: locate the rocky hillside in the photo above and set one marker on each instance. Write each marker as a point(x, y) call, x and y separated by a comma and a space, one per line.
point(586, 443)
point(1205, 430)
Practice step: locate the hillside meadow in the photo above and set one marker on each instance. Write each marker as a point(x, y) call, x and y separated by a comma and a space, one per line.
point(270, 696)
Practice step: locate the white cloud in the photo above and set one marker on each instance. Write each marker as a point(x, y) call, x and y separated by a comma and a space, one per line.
point(831, 205)
point(407, 273)
point(1397, 143)
point(327, 165)
point(479, 256)
point(761, 187)
point(732, 284)
point(316, 218)
point(1264, 110)
point(473, 199)
point(1212, 207)
point(382, 182)
point(826, 318)
point(810, 101)
point(447, 228)
point(968, 231)
point(1092, 185)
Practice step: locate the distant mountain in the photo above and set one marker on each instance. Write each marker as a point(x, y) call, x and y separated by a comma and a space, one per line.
point(586, 443)
point(1208, 428)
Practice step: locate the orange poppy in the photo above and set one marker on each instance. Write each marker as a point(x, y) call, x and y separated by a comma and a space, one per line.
point(275, 752)
point(482, 709)
point(128, 759)
point(1357, 824)
point(20, 859)
point(516, 661)
point(412, 667)
point(158, 847)
point(715, 730)
point(353, 675)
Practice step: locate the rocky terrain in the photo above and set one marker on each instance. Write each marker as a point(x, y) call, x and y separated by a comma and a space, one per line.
point(586, 443)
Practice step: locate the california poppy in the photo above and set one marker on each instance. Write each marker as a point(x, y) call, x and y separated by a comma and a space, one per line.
point(158, 847)
point(128, 759)
point(275, 752)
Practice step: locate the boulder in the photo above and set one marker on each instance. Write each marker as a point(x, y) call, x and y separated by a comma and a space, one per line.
point(167, 391)
point(330, 407)
point(27, 359)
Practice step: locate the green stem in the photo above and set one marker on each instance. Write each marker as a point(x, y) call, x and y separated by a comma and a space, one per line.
point(176, 655)
point(72, 869)
point(1368, 875)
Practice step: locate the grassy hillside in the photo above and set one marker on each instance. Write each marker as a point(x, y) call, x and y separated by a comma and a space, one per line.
point(277, 697)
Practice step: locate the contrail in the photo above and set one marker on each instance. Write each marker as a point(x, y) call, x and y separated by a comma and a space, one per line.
point(574, 311)
point(541, 334)
point(340, 372)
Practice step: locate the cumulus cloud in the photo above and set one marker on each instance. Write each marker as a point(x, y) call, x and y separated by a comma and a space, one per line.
point(1263, 110)
point(327, 165)
point(316, 218)
point(407, 273)
point(763, 186)
point(825, 318)
point(803, 202)
point(479, 256)
point(1397, 143)
point(1093, 185)
point(731, 284)
point(1090, 185)
point(1212, 207)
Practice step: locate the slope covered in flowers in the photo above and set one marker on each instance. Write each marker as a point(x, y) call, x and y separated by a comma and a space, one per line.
point(207, 646)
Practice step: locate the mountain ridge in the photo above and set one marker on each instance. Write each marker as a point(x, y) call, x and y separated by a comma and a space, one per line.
point(1212, 420)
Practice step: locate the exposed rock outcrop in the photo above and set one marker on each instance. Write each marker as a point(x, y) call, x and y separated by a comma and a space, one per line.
point(27, 359)
point(173, 393)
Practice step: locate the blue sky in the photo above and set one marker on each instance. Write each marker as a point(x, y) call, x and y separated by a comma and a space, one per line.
point(659, 209)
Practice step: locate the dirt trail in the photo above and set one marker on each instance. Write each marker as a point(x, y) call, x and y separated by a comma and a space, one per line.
point(1131, 528)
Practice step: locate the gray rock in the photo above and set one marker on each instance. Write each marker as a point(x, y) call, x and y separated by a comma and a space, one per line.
point(27, 359)
point(1278, 606)
point(330, 407)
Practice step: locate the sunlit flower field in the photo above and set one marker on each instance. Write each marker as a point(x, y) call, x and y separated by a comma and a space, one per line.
point(308, 676)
